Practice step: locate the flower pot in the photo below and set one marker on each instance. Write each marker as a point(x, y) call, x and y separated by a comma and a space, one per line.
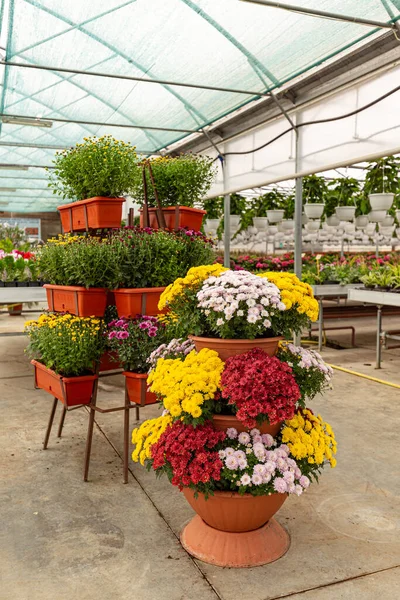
point(223, 422)
point(176, 216)
point(72, 391)
point(136, 385)
point(387, 221)
point(361, 221)
point(313, 225)
point(381, 201)
point(231, 530)
point(376, 216)
point(275, 216)
point(138, 301)
point(287, 224)
point(92, 213)
point(211, 225)
point(304, 219)
point(345, 213)
point(107, 363)
point(314, 211)
point(333, 221)
point(14, 310)
point(260, 223)
point(77, 300)
point(234, 221)
point(227, 348)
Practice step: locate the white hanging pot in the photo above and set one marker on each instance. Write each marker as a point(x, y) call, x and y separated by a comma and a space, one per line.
point(272, 230)
point(211, 224)
point(275, 216)
point(349, 227)
point(304, 219)
point(234, 221)
point(260, 223)
point(314, 211)
point(398, 232)
point(287, 224)
point(361, 221)
point(387, 221)
point(313, 225)
point(376, 216)
point(398, 215)
point(345, 213)
point(333, 221)
point(381, 201)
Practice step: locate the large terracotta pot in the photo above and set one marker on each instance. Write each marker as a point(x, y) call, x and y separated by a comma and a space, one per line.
point(77, 300)
point(93, 213)
point(136, 385)
point(72, 391)
point(223, 422)
point(176, 216)
point(227, 348)
point(138, 301)
point(231, 530)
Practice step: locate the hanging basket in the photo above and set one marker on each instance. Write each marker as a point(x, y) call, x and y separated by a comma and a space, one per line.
point(314, 211)
point(93, 213)
point(382, 201)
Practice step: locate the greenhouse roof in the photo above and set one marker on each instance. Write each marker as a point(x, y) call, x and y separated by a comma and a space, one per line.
point(152, 72)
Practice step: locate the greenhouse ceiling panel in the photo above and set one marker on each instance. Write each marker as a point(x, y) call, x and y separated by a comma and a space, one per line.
point(152, 72)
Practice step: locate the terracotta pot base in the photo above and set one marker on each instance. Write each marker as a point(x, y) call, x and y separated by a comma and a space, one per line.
point(223, 549)
point(222, 422)
point(232, 347)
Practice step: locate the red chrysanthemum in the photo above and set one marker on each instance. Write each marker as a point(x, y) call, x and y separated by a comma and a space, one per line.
point(259, 385)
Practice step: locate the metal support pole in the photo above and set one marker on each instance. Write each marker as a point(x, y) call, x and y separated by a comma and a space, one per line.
point(320, 323)
point(377, 247)
point(298, 211)
point(342, 249)
point(378, 336)
point(227, 218)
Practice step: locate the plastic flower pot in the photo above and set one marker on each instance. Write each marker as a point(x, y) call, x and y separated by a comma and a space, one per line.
point(232, 347)
point(381, 201)
point(77, 300)
point(260, 223)
point(314, 211)
point(287, 224)
point(333, 221)
point(345, 213)
point(361, 221)
point(71, 391)
point(376, 216)
point(223, 422)
point(138, 301)
point(275, 216)
point(211, 225)
point(233, 530)
point(387, 221)
point(136, 385)
point(107, 362)
point(93, 213)
point(313, 225)
point(176, 216)
point(14, 310)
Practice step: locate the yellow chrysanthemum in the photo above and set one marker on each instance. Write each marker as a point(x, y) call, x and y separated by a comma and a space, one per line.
point(294, 293)
point(194, 277)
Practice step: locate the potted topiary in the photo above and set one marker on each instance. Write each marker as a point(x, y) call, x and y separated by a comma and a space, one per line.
point(236, 479)
point(314, 193)
point(133, 341)
point(65, 352)
point(178, 184)
point(95, 174)
point(148, 260)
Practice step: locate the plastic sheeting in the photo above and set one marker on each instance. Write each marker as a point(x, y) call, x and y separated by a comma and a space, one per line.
point(223, 43)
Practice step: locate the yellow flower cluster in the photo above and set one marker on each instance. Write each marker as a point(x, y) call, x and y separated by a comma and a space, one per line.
point(63, 239)
point(76, 327)
point(294, 293)
point(185, 385)
point(194, 277)
point(147, 435)
point(309, 437)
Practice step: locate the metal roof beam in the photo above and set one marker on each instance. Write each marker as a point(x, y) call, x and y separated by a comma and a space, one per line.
point(323, 14)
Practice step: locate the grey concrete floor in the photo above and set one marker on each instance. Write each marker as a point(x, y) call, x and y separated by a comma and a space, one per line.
point(64, 539)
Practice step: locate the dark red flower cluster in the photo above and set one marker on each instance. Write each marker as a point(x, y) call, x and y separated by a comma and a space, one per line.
point(189, 452)
point(260, 385)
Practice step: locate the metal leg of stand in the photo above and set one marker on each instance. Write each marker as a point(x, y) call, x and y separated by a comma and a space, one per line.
point(62, 419)
point(378, 336)
point(90, 433)
point(320, 324)
point(50, 424)
point(126, 436)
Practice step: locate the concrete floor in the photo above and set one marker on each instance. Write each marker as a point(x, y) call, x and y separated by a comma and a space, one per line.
point(64, 539)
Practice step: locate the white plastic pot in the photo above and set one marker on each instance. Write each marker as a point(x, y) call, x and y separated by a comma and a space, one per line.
point(234, 221)
point(387, 221)
point(333, 221)
point(275, 216)
point(398, 215)
point(377, 216)
point(361, 221)
point(381, 201)
point(287, 224)
point(304, 219)
point(313, 225)
point(349, 227)
point(314, 211)
point(345, 213)
point(272, 230)
point(386, 230)
point(260, 223)
point(211, 224)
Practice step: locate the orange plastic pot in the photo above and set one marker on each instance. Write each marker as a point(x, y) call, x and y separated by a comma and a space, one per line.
point(136, 385)
point(72, 391)
point(107, 363)
point(223, 422)
point(230, 530)
point(233, 347)
point(76, 300)
point(138, 301)
point(93, 213)
point(176, 216)
point(14, 310)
